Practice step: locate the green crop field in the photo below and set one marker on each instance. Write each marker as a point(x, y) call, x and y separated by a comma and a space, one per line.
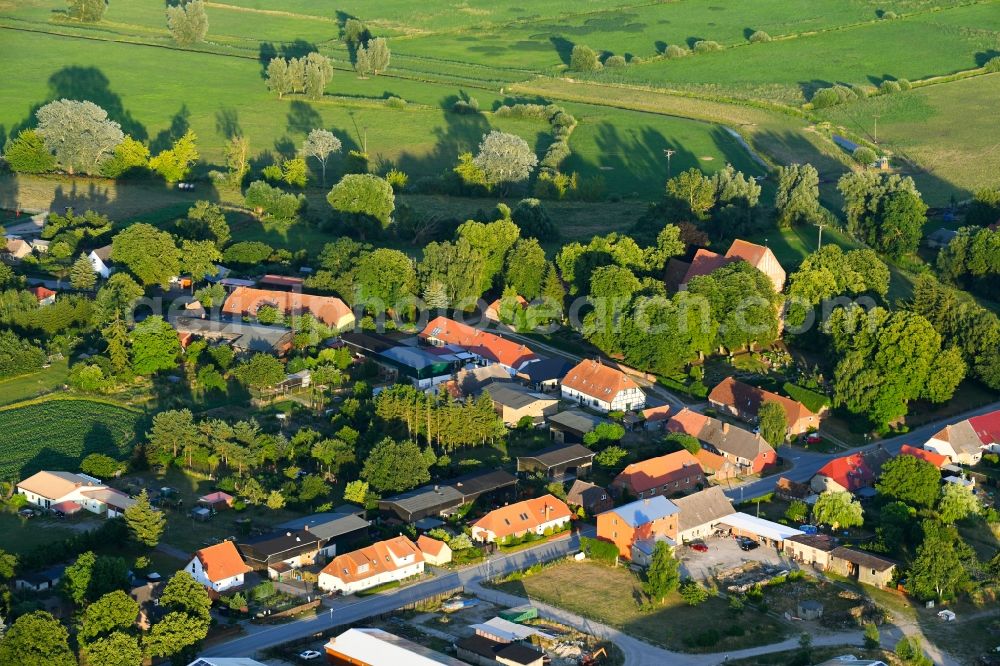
point(58, 434)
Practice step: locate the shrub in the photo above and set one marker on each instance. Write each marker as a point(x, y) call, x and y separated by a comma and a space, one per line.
point(824, 97)
point(889, 16)
point(675, 51)
point(272, 201)
point(615, 61)
point(813, 401)
point(469, 106)
point(602, 551)
point(888, 87)
point(759, 36)
point(706, 46)
point(693, 593)
point(395, 102)
point(864, 155)
point(636, 60)
point(584, 59)
point(992, 65)
point(27, 154)
point(397, 179)
point(904, 84)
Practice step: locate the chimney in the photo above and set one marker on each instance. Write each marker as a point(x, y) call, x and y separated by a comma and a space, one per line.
point(305, 528)
point(646, 501)
point(725, 427)
point(548, 510)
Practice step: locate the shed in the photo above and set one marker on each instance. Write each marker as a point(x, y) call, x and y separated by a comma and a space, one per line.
point(519, 614)
point(571, 426)
point(809, 609)
point(864, 567)
point(217, 500)
point(743, 524)
point(558, 462)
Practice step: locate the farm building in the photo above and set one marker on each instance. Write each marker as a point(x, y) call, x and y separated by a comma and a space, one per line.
point(571, 425)
point(700, 513)
point(558, 462)
point(435, 500)
point(246, 301)
point(545, 374)
point(483, 651)
point(244, 337)
point(514, 403)
point(706, 262)
point(765, 531)
point(374, 647)
point(674, 473)
point(68, 493)
point(747, 451)
point(863, 567)
point(335, 530)
point(654, 518)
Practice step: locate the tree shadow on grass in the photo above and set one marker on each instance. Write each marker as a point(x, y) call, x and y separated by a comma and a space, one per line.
point(302, 118)
point(564, 48)
point(90, 83)
point(227, 122)
point(179, 125)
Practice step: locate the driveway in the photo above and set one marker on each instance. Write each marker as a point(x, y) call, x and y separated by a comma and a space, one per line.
point(724, 553)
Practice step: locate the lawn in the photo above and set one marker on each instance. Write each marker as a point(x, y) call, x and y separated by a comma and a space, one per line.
point(44, 381)
point(576, 585)
point(22, 536)
point(58, 434)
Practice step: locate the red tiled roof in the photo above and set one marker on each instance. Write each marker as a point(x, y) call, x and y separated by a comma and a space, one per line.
point(486, 345)
point(280, 280)
point(987, 427)
point(41, 293)
point(710, 462)
point(654, 414)
point(221, 561)
point(933, 458)
point(429, 546)
point(523, 516)
point(759, 257)
point(598, 380)
point(378, 557)
point(748, 399)
point(246, 301)
point(704, 263)
point(655, 472)
point(850, 472)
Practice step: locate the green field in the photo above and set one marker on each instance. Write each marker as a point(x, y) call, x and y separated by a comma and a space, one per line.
point(38, 383)
point(57, 434)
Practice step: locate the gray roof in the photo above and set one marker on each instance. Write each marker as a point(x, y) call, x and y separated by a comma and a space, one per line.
point(103, 253)
point(702, 508)
point(560, 455)
point(582, 491)
point(415, 357)
point(963, 438)
point(431, 499)
point(862, 559)
point(732, 439)
point(326, 526)
point(546, 369)
point(241, 335)
point(472, 382)
point(515, 396)
point(644, 511)
point(574, 419)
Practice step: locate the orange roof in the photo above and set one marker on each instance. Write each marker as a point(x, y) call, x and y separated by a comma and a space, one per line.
point(246, 301)
point(429, 546)
point(221, 561)
point(849, 472)
point(523, 516)
point(688, 421)
point(41, 293)
point(933, 458)
point(759, 257)
point(486, 345)
point(704, 262)
point(654, 414)
point(655, 472)
point(493, 309)
point(710, 462)
point(373, 560)
point(746, 398)
point(597, 380)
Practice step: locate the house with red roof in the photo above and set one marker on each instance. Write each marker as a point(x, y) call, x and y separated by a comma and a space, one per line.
point(436, 552)
point(379, 563)
point(246, 301)
point(603, 388)
point(850, 473)
point(758, 256)
point(488, 348)
point(747, 452)
point(219, 567)
point(933, 458)
point(675, 473)
point(744, 401)
point(44, 296)
point(535, 515)
point(965, 442)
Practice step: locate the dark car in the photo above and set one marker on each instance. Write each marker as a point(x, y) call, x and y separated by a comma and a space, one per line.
point(747, 544)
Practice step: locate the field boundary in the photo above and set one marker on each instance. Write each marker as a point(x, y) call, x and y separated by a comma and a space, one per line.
point(55, 397)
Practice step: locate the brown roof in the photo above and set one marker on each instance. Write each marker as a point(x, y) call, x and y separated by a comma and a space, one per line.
point(823, 542)
point(654, 414)
point(597, 380)
point(579, 491)
point(522, 516)
point(655, 472)
point(429, 546)
point(330, 310)
point(222, 561)
point(281, 280)
point(759, 257)
point(704, 263)
point(378, 556)
point(793, 489)
point(710, 462)
point(53, 485)
point(862, 559)
point(486, 345)
point(41, 293)
point(748, 399)
point(724, 437)
point(702, 508)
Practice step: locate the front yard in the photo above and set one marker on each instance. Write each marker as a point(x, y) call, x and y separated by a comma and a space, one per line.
point(614, 596)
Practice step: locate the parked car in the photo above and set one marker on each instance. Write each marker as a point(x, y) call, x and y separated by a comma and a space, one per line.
point(698, 546)
point(27, 513)
point(747, 543)
point(309, 655)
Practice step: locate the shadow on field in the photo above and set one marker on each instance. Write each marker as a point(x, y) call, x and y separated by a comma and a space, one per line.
point(809, 88)
point(564, 48)
point(179, 124)
point(984, 57)
point(227, 122)
point(302, 118)
point(8, 194)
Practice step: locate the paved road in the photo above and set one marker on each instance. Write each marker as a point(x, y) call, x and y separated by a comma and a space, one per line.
point(260, 637)
point(805, 463)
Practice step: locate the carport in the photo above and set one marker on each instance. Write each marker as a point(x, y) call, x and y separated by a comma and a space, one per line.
point(765, 531)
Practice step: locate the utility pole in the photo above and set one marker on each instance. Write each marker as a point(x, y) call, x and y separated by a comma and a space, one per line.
point(819, 244)
point(669, 152)
point(876, 128)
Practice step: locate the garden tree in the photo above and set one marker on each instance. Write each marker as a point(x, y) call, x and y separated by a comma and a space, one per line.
point(313, 486)
point(510, 311)
point(237, 162)
point(356, 492)
point(205, 221)
point(319, 145)
point(252, 491)
point(82, 275)
point(693, 593)
point(184, 594)
point(679, 440)
point(100, 465)
point(576, 261)
point(293, 172)
point(36, 639)
point(909, 652)
point(116, 649)
point(116, 336)
point(743, 303)
point(831, 272)
point(338, 264)
point(797, 512)
point(663, 574)
point(611, 291)
point(533, 220)
point(362, 61)
point(504, 159)
point(175, 634)
point(116, 298)
point(603, 434)
point(279, 78)
point(268, 201)
point(872, 638)
point(663, 335)
point(318, 73)
point(172, 432)
point(668, 245)
point(75, 582)
point(393, 466)
point(448, 424)
point(457, 267)
point(79, 134)
point(494, 241)
point(911, 480)
point(888, 359)
point(386, 280)
point(938, 571)
point(838, 509)
point(89, 11)
point(972, 254)
point(260, 371)
point(115, 611)
point(128, 157)
point(27, 153)
point(175, 163)
point(154, 346)
point(378, 54)
point(145, 523)
point(435, 295)
point(198, 259)
point(773, 423)
point(884, 211)
point(611, 457)
point(364, 196)
point(797, 198)
point(187, 22)
point(526, 266)
point(957, 502)
point(584, 59)
point(693, 192)
point(553, 291)
point(984, 209)
point(275, 500)
point(334, 454)
point(736, 199)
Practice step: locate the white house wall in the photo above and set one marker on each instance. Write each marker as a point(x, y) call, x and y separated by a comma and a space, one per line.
point(329, 582)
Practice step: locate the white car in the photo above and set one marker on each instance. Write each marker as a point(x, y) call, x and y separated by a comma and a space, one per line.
point(309, 655)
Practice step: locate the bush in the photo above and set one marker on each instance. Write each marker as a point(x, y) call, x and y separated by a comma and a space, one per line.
point(992, 65)
point(27, 154)
point(615, 61)
point(889, 16)
point(824, 97)
point(864, 155)
point(397, 179)
point(469, 106)
point(693, 593)
point(598, 550)
point(813, 401)
point(888, 87)
point(675, 51)
point(584, 59)
point(707, 46)
point(759, 36)
point(395, 102)
point(272, 201)
point(904, 84)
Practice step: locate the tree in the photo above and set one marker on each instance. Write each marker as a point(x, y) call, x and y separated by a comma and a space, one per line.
point(175, 163)
point(394, 466)
point(128, 157)
point(184, 594)
point(694, 191)
point(664, 573)
point(838, 509)
point(144, 522)
point(354, 32)
point(909, 652)
point(187, 22)
point(275, 500)
point(364, 195)
point(611, 457)
point(117, 649)
point(378, 54)
point(937, 572)
point(76, 580)
point(773, 423)
point(957, 502)
point(319, 145)
point(797, 512)
point(910, 479)
point(36, 639)
point(260, 371)
point(115, 611)
point(206, 221)
point(884, 211)
point(356, 492)
point(684, 441)
point(533, 220)
point(318, 73)
point(385, 279)
point(116, 298)
point(237, 161)
point(362, 61)
point(526, 266)
point(505, 158)
point(270, 201)
point(903, 214)
point(279, 78)
point(155, 346)
point(797, 198)
point(88, 11)
point(27, 153)
point(457, 268)
point(79, 134)
point(17, 356)
point(100, 465)
point(493, 241)
point(584, 59)
point(82, 275)
point(175, 634)
point(116, 336)
point(872, 638)
point(199, 258)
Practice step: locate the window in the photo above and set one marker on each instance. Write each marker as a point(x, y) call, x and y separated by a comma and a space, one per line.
point(614, 535)
point(615, 521)
point(604, 497)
